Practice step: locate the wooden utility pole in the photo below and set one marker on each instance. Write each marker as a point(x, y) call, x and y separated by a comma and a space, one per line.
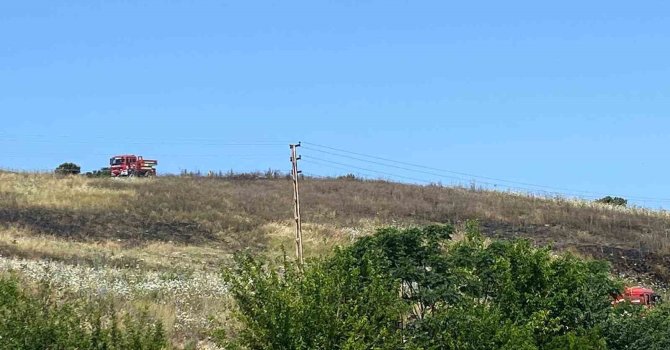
point(296, 202)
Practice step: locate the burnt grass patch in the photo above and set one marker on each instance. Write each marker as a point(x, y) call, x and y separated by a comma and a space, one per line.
point(639, 262)
point(132, 228)
point(631, 261)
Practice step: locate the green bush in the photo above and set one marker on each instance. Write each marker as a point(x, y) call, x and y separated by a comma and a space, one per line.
point(635, 327)
point(341, 303)
point(38, 321)
point(103, 172)
point(68, 169)
point(592, 340)
point(416, 289)
point(470, 325)
point(614, 201)
point(552, 294)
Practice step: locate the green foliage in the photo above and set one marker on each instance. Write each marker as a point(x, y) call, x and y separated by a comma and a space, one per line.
point(635, 327)
point(417, 289)
point(415, 258)
point(335, 304)
point(470, 325)
point(68, 169)
point(592, 340)
point(103, 172)
point(554, 294)
point(38, 321)
point(614, 201)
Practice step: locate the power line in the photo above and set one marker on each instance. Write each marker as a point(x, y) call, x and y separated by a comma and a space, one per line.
point(350, 166)
point(348, 170)
point(556, 190)
point(69, 139)
point(312, 175)
point(442, 170)
point(50, 137)
point(347, 167)
point(149, 143)
point(162, 155)
point(436, 174)
point(309, 175)
point(522, 189)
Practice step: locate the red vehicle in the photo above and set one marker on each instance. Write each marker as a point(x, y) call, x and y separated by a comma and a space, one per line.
point(639, 296)
point(132, 165)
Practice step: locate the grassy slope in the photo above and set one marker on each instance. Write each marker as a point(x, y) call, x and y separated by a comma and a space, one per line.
point(220, 216)
point(177, 227)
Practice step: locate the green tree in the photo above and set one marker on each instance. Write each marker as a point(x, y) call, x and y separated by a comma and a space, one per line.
point(530, 285)
point(415, 258)
point(614, 201)
point(68, 169)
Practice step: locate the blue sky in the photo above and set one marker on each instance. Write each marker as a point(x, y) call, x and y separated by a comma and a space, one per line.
point(571, 95)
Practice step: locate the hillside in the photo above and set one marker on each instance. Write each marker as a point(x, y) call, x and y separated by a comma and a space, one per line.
point(232, 214)
point(159, 243)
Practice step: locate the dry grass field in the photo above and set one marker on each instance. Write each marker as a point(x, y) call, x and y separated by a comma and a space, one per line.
point(159, 244)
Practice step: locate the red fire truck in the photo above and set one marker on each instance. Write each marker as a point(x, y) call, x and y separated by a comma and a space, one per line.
point(639, 296)
point(132, 165)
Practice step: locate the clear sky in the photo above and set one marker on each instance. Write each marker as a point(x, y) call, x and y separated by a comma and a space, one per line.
point(570, 94)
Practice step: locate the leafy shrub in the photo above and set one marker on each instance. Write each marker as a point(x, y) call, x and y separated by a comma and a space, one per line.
point(38, 321)
point(634, 327)
point(592, 340)
point(334, 305)
point(553, 294)
point(68, 169)
point(471, 325)
point(103, 172)
point(615, 201)
point(415, 289)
